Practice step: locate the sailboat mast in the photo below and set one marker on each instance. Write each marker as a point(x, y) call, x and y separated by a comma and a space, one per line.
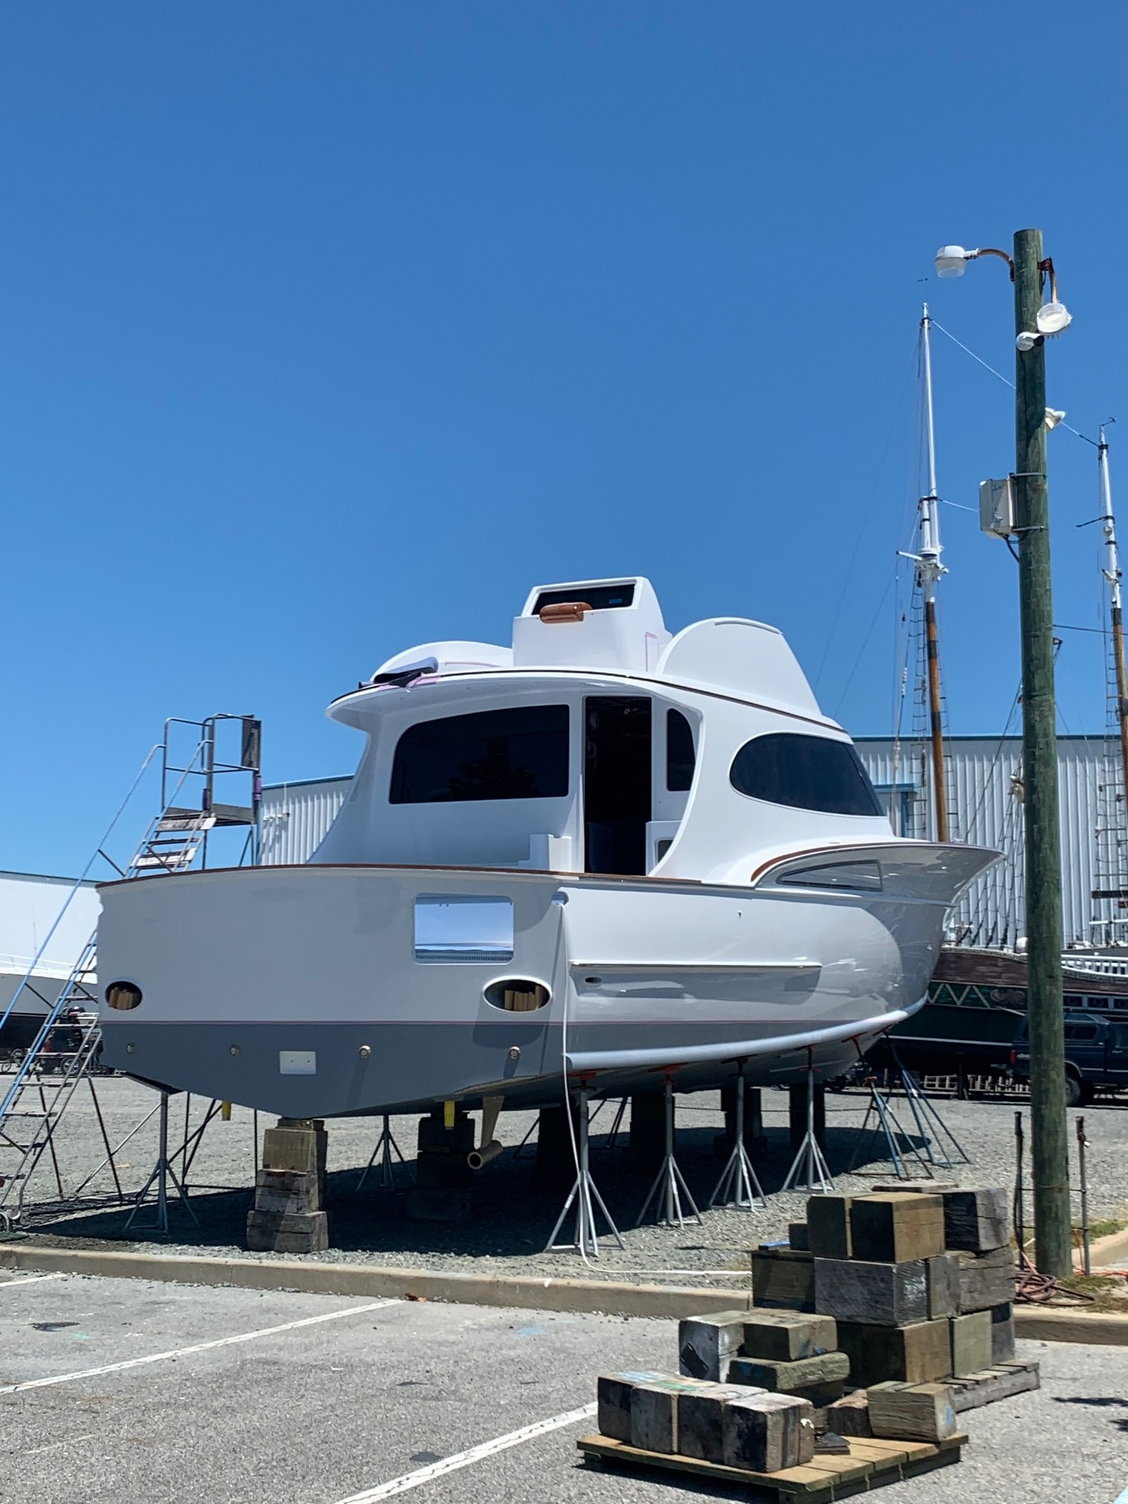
point(1112, 575)
point(929, 570)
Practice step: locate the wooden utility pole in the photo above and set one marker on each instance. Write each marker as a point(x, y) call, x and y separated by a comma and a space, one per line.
point(1050, 1157)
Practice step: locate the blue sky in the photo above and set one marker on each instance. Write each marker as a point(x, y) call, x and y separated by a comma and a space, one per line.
point(330, 329)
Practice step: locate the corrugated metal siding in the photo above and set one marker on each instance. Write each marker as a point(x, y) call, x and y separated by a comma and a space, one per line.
point(296, 816)
point(984, 811)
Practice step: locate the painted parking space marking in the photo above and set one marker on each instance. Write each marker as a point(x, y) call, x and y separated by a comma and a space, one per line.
point(474, 1454)
point(29, 1279)
point(196, 1347)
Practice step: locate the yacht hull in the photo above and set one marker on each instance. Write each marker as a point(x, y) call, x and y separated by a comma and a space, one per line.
point(307, 992)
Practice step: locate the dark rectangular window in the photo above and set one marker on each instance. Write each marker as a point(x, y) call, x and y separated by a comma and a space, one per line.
point(519, 753)
point(598, 597)
point(804, 772)
point(680, 755)
point(1080, 1033)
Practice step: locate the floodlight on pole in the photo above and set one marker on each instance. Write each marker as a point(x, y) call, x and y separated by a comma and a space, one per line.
point(1052, 318)
point(951, 260)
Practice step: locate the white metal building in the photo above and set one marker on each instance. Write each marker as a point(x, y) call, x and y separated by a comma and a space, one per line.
point(985, 802)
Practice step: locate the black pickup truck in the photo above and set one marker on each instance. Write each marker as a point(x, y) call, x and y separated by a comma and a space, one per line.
point(1096, 1055)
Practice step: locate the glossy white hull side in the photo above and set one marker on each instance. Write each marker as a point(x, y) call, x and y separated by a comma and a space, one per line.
point(253, 974)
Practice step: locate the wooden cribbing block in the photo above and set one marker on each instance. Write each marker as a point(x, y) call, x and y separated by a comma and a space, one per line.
point(849, 1416)
point(785, 1378)
point(828, 1226)
point(820, 1395)
point(296, 1149)
point(701, 1419)
point(874, 1294)
point(706, 1343)
point(287, 1232)
point(895, 1226)
point(921, 1187)
point(784, 1336)
point(914, 1354)
point(977, 1221)
point(971, 1342)
point(654, 1412)
point(1002, 1333)
point(287, 1191)
point(912, 1412)
point(767, 1432)
point(798, 1237)
point(783, 1277)
point(614, 1400)
point(943, 1280)
point(986, 1279)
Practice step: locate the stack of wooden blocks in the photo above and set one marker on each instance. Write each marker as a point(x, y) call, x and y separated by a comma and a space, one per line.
point(733, 1424)
point(920, 1285)
point(288, 1214)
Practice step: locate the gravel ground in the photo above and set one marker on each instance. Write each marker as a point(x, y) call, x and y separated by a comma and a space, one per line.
point(512, 1220)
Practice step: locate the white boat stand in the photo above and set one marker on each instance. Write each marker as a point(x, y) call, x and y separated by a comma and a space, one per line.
point(738, 1188)
point(159, 1179)
point(809, 1170)
point(388, 1151)
point(584, 1195)
point(669, 1184)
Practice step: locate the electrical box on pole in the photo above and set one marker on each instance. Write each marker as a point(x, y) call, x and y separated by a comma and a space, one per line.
point(996, 507)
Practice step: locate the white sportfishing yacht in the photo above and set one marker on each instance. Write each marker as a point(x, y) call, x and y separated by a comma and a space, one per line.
point(601, 851)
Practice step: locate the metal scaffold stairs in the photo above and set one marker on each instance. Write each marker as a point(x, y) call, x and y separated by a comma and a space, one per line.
point(65, 1048)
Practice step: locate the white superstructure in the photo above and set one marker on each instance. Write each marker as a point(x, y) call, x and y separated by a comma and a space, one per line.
point(601, 849)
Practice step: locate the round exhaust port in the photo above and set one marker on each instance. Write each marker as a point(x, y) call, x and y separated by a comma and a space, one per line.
point(123, 995)
point(517, 995)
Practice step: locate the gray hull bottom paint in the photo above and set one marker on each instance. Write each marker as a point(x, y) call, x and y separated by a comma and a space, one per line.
point(364, 1069)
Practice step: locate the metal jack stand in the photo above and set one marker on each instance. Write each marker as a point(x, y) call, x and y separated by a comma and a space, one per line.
point(388, 1152)
point(809, 1170)
point(670, 1181)
point(616, 1124)
point(162, 1174)
point(924, 1113)
point(585, 1195)
point(738, 1186)
point(886, 1125)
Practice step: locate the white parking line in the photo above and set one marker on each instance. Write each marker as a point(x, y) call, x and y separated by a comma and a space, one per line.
point(197, 1347)
point(29, 1279)
point(464, 1459)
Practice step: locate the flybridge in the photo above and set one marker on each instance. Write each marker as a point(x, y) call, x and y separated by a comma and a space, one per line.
point(616, 626)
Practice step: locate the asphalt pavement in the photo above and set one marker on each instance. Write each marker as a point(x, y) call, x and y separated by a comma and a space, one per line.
point(172, 1394)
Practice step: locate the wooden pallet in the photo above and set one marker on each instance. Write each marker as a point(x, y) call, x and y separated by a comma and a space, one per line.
point(998, 1382)
point(871, 1464)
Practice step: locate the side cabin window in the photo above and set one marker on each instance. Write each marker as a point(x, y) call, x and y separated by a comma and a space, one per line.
point(517, 753)
point(804, 772)
point(680, 754)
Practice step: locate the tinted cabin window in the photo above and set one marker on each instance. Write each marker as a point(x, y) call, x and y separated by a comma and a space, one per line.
point(598, 597)
point(495, 754)
point(680, 756)
point(804, 772)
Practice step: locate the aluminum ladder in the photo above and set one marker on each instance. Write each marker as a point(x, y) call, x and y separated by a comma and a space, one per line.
point(65, 1050)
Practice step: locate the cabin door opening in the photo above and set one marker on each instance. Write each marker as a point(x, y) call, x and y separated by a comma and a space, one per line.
point(616, 783)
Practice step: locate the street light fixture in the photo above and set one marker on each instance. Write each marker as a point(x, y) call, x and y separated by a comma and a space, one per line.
point(1035, 321)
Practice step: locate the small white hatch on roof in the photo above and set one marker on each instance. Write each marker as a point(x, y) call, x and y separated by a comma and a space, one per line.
point(612, 624)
